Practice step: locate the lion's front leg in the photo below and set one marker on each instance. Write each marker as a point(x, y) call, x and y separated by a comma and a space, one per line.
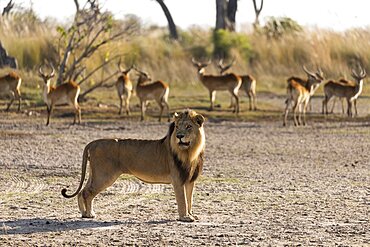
point(189, 188)
point(182, 203)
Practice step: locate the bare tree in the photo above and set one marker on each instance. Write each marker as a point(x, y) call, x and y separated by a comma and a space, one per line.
point(171, 23)
point(8, 8)
point(257, 11)
point(225, 14)
point(91, 29)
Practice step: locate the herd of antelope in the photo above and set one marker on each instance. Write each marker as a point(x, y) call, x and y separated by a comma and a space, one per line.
point(299, 91)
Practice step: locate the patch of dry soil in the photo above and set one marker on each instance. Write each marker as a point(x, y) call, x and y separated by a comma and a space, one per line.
point(262, 184)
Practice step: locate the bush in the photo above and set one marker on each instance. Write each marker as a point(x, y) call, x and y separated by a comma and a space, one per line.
point(224, 41)
point(278, 27)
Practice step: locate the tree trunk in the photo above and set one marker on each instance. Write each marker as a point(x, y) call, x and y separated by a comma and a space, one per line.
point(171, 23)
point(232, 6)
point(6, 60)
point(220, 14)
point(225, 14)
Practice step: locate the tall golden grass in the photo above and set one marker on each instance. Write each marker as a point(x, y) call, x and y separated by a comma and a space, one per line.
point(271, 61)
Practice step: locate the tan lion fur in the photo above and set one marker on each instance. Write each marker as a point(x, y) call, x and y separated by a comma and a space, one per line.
point(176, 159)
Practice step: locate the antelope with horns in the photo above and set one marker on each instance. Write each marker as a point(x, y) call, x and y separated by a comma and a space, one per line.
point(344, 82)
point(228, 82)
point(66, 93)
point(10, 86)
point(157, 90)
point(124, 88)
point(248, 84)
point(299, 92)
point(347, 91)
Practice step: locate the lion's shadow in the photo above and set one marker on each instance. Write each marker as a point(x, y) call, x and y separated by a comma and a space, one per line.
point(38, 225)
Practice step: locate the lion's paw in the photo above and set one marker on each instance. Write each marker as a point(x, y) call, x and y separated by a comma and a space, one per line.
point(194, 216)
point(88, 215)
point(187, 218)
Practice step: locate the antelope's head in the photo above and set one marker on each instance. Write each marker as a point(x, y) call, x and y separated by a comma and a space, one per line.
point(200, 66)
point(223, 67)
point(46, 76)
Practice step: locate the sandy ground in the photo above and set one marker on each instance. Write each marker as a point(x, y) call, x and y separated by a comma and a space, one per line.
point(262, 185)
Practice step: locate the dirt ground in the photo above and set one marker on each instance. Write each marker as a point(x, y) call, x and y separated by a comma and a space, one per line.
point(262, 184)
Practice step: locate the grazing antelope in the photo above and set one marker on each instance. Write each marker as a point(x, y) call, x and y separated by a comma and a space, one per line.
point(66, 93)
point(124, 88)
point(10, 86)
point(345, 90)
point(299, 92)
point(228, 82)
point(157, 91)
point(248, 84)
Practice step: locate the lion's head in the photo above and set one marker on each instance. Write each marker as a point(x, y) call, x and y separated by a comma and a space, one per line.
point(187, 138)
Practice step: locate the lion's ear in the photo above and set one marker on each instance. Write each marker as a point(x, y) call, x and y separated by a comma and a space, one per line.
point(175, 116)
point(199, 119)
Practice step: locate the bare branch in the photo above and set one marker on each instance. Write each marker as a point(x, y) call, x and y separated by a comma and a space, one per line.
point(67, 52)
point(77, 6)
point(257, 11)
point(98, 68)
point(8, 8)
point(98, 85)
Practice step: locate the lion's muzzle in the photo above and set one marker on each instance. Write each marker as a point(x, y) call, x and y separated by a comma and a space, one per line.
point(180, 142)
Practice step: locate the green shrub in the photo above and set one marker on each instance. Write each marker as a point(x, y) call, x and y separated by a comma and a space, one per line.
point(224, 42)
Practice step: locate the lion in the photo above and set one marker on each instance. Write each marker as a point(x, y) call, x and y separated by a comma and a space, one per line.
point(176, 159)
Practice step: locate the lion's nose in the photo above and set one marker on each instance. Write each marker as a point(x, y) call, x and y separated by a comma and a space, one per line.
point(179, 136)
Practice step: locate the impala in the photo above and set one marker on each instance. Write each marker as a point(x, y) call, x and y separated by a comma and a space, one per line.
point(147, 90)
point(248, 84)
point(228, 82)
point(124, 88)
point(342, 90)
point(299, 92)
point(66, 93)
point(345, 82)
point(10, 86)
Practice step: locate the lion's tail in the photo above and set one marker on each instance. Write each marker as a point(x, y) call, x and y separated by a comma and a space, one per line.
point(83, 174)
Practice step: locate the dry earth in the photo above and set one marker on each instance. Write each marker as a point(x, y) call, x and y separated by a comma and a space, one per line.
point(262, 185)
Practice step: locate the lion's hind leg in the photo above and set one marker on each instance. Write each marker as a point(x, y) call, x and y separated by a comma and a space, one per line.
point(96, 184)
point(81, 204)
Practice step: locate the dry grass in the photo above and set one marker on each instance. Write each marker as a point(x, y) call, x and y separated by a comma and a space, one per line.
point(270, 61)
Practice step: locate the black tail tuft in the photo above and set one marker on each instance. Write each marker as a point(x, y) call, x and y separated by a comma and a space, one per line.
point(64, 193)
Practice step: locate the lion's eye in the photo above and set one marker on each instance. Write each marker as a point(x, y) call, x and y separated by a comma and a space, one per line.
point(189, 127)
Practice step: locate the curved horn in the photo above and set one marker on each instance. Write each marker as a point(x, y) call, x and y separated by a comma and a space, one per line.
point(139, 71)
point(194, 61)
point(320, 73)
point(363, 72)
point(119, 65)
point(129, 68)
point(354, 73)
point(359, 76)
point(41, 72)
point(307, 71)
point(52, 70)
point(221, 63)
point(224, 68)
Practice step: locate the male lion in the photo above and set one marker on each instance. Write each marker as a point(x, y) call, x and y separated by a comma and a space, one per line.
point(176, 159)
